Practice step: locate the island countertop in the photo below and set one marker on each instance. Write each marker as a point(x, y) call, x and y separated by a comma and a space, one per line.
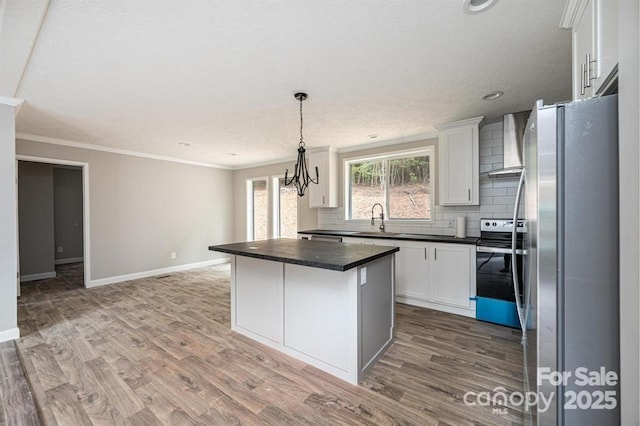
point(317, 254)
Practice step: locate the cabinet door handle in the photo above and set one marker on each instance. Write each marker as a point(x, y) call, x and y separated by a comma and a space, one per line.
point(323, 200)
point(425, 253)
point(588, 65)
point(582, 79)
point(435, 254)
point(469, 194)
point(587, 69)
point(587, 83)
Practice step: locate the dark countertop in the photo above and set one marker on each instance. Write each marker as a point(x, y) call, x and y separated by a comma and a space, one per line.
point(317, 254)
point(395, 236)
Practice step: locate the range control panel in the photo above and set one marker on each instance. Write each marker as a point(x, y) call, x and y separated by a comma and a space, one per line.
point(502, 225)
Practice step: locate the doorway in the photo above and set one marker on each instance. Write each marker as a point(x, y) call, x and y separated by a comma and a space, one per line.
point(53, 220)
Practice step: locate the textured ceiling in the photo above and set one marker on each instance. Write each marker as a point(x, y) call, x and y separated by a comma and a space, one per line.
point(220, 75)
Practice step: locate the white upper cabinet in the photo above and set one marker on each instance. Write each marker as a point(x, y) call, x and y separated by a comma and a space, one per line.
point(459, 162)
point(325, 193)
point(607, 43)
point(583, 49)
point(594, 33)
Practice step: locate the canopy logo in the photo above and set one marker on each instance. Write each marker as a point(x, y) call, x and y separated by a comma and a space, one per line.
point(499, 397)
point(589, 390)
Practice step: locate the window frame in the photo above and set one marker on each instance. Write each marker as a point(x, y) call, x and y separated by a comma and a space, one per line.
point(250, 206)
point(275, 210)
point(275, 206)
point(386, 156)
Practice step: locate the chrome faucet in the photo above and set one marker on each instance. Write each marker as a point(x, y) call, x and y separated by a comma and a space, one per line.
point(381, 216)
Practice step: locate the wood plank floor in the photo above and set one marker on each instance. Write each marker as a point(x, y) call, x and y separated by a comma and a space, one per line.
point(160, 351)
point(16, 403)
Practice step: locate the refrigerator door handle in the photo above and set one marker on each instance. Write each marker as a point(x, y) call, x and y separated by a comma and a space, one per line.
point(514, 264)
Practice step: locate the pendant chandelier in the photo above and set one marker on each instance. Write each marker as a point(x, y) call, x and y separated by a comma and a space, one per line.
point(300, 178)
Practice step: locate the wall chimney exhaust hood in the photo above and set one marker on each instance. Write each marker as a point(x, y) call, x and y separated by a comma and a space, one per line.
point(513, 137)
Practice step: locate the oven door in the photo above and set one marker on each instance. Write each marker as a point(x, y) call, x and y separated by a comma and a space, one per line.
point(493, 272)
point(495, 295)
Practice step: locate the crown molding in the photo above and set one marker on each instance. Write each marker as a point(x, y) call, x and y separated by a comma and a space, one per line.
point(479, 121)
point(391, 142)
point(94, 147)
point(570, 13)
point(12, 102)
point(265, 163)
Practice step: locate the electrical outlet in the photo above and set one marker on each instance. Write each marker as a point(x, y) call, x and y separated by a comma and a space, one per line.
point(363, 275)
point(174, 255)
point(60, 249)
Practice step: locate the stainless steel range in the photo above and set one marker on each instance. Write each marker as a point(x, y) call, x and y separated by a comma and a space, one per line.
point(495, 295)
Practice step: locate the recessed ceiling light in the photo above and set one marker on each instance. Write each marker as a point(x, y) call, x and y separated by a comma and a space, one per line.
point(184, 144)
point(493, 95)
point(372, 136)
point(473, 7)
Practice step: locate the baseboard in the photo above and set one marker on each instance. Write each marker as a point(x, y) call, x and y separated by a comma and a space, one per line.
point(11, 334)
point(41, 276)
point(467, 312)
point(69, 260)
point(154, 272)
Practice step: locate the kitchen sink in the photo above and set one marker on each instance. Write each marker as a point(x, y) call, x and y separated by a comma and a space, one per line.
point(377, 234)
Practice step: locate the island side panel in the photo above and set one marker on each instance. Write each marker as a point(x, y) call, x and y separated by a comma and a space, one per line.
point(377, 309)
point(257, 298)
point(321, 319)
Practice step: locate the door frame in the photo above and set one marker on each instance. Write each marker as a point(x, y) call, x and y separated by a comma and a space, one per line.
point(86, 246)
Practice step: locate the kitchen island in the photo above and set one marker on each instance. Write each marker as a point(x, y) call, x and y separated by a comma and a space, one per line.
point(328, 304)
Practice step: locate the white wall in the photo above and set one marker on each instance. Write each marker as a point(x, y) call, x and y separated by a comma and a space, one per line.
point(8, 224)
point(629, 117)
point(497, 196)
point(141, 210)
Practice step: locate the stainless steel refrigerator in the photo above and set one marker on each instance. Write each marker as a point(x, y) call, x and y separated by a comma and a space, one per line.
point(570, 312)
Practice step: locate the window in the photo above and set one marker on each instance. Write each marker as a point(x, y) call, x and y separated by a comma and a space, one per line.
point(272, 209)
point(257, 209)
point(400, 181)
point(285, 210)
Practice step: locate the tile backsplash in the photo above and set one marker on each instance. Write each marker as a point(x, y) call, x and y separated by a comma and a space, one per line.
point(497, 197)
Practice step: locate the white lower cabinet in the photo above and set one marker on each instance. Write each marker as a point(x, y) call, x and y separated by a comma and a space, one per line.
point(412, 270)
point(451, 275)
point(438, 276)
point(370, 241)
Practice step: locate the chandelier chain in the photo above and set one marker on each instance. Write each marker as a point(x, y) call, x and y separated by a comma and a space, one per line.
point(301, 139)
